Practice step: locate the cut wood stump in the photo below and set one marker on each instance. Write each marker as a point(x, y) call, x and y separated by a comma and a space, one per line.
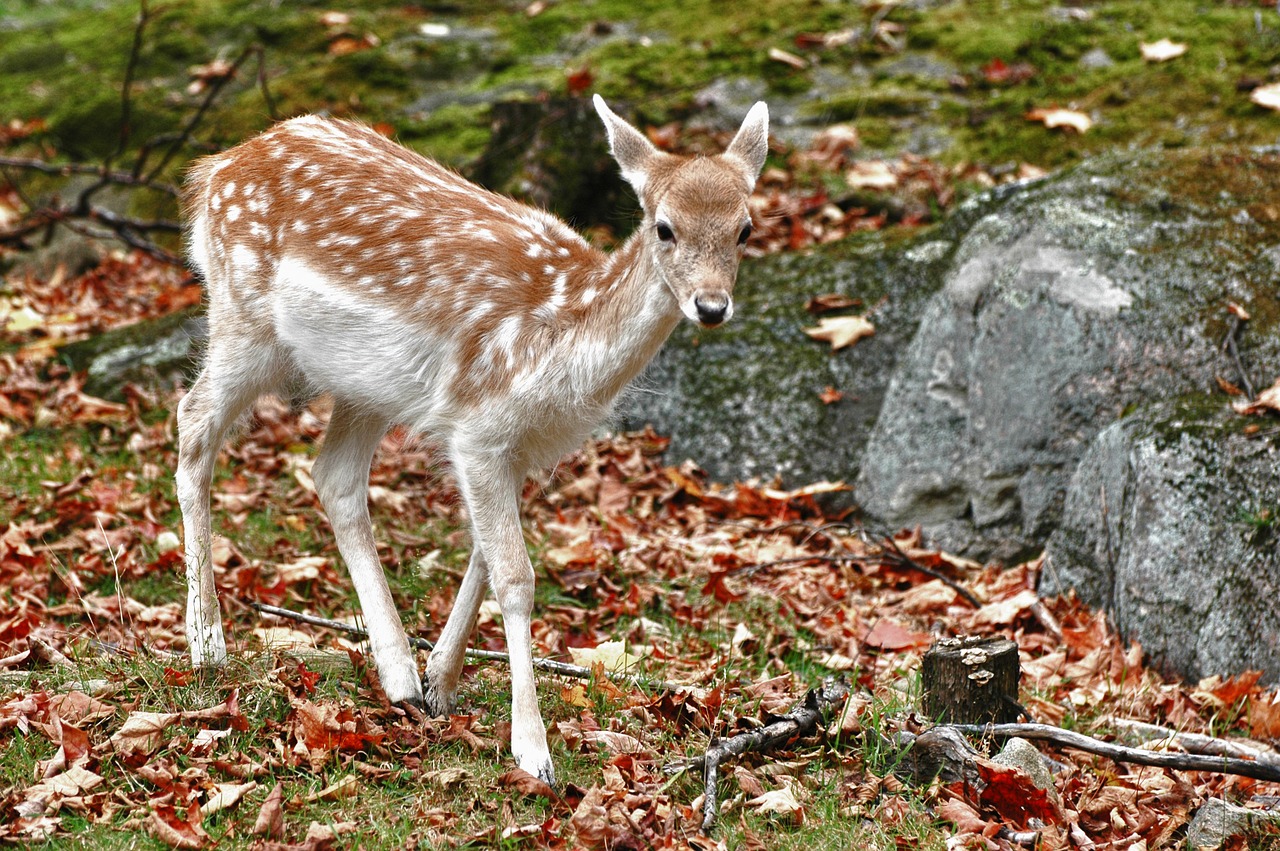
point(971, 681)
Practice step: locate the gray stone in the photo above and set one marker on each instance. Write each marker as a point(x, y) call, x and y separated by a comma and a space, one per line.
point(1217, 821)
point(156, 353)
point(1095, 59)
point(1021, 754)
point(1170, 523)
point(1067, 302)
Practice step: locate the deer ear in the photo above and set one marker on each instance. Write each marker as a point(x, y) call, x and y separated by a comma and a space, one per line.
point(628, 146)
point(751, 145)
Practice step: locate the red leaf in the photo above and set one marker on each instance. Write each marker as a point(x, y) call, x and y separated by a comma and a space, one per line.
point(888, 634)
point(1012, 794)
point(579, 81)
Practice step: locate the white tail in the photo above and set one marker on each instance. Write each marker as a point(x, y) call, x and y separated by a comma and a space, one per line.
point(338, 262)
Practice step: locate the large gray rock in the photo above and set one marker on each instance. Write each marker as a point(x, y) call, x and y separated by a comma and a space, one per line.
point(1066, 303)
point(1171, 523)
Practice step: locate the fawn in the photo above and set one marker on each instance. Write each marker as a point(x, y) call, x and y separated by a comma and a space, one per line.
point(339, 262)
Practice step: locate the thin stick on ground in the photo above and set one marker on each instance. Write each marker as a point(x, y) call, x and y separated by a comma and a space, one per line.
point(1194, 742)
point(1256, 769)
point(550, 666)
point(801, 721)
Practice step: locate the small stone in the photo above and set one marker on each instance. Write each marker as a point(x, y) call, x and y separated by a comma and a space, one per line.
point(1217, 821)
point(167, 542)
point(1096, 59)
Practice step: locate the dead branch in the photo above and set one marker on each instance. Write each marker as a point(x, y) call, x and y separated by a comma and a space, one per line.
point(1257, 769)
point(896, 557)
point(551, 666)
point(1229, 346)
point(83, 216)
point(801, 721)
point(1194, 742)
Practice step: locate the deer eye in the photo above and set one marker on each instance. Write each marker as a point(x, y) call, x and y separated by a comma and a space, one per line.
point(664, 232)
point(744, 234)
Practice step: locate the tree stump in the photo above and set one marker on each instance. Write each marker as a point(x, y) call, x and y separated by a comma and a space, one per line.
point(971, 681)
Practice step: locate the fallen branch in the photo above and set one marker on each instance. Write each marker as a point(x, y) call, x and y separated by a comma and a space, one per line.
point(1194, 742)
point(551, 666)
point(1257, 769)
point(802, 721)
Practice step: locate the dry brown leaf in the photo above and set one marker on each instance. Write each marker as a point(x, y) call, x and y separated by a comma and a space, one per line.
point(527, 784)
point(613, 742)
point(1267, 400)
point(780, 802)
point(142, 732)
point(1067, 119)
point(1162, 50)
point(226, 795)
point(270, 821)
point(830, 395)
point(841, 331)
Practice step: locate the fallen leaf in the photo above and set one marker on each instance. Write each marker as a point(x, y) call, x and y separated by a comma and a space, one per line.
point(613, 742)
point(831, 301)
point(1162, 50)
point(344, 788)
point(142, 732)
point(781, 802)
point(612, 655)
point(447, 778)
point(888, 634)
point(270, 821)
point(841, 331)
point(830, 395)
point(174, 830)
point(1267, 96)
point(1237, 311)
point(871, 174)
point(226, 795)
point(1013, 794)
point(1267, 400)
point(779, 55)
point(527, 784)
point(579, 81)
point(1068, 119)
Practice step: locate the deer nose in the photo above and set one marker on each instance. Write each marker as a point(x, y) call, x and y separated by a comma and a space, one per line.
point(712, 308)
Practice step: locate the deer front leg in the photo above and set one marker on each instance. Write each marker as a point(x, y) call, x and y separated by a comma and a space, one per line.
point(490, 495)
point(444, 667)
point(341, 474)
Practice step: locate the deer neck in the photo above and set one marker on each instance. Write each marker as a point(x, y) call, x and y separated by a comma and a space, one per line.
point(632, 317)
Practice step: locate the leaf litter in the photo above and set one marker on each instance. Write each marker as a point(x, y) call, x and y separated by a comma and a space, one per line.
point(745, 592)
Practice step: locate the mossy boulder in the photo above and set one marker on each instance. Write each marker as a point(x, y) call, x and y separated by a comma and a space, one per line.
point(1172, 524)
point(1067, 303)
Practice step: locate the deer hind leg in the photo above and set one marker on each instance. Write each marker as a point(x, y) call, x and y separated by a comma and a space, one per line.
point(341, 474)
point(444, 668)
point(232, 379)
point(489, 488)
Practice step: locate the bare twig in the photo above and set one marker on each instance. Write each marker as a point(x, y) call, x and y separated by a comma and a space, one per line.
point(551, 666)
point(801, 721)
point(1254, 768)
point(895, 556)
point(1229, 346)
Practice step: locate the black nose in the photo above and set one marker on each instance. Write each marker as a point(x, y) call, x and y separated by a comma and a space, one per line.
point(711, 308)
